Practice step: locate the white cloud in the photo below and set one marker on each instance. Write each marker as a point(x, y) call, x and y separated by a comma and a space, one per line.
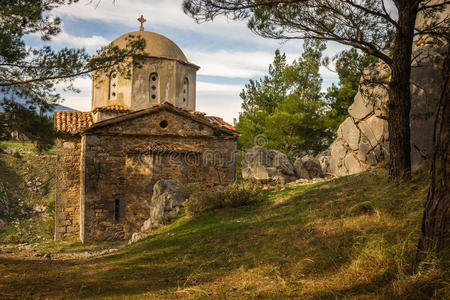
point(233, 64)
point(91, 43)
point(216, 88)
point(77, 101)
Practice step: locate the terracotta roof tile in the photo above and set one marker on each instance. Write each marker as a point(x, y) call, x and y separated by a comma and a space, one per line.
point(220, 122)
point(72, 122)
point(158, 147)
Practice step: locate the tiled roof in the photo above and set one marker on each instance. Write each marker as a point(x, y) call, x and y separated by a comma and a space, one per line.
point(72, 122)
point(116, 108)
point(220, 122)
point(158, 147)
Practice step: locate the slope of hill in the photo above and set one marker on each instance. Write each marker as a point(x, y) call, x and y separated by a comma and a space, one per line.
point(352, 237)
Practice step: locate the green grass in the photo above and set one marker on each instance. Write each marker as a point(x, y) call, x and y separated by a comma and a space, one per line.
point(24, 146)
point(304, 242)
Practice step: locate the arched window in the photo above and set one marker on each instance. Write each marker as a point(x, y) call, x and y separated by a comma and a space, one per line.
point(113, 86)
point(153, 86)
point(185, 91)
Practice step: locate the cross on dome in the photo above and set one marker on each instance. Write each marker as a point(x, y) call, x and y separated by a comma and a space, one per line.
point(141, 20)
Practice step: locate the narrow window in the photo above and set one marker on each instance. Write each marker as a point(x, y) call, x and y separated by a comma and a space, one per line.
point(117, 210)
point(185, 91)
point(153, 85)
point(113, 86)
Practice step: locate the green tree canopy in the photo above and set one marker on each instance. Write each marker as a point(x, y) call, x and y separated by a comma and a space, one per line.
point(286, 106)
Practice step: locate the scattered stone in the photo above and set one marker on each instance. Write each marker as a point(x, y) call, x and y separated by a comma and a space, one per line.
point(136, 237)
point(267, 166)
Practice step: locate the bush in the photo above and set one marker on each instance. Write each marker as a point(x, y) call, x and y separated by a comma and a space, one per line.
point(235, 195)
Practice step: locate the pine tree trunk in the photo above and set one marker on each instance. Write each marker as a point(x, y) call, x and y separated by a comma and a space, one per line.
point(399, 103)
point(436, 218)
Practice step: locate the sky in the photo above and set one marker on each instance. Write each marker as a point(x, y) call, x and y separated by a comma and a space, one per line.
point(228, 53)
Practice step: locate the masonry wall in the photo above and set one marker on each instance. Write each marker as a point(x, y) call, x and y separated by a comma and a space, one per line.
point(118, 180)
point(118, 185)
point(67, 208)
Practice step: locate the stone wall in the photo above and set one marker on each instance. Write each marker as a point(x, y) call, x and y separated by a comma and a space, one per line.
point(118, 185)
point(67, 210)
point(119, 170)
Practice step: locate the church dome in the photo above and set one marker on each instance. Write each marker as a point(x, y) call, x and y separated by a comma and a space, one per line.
point(155, 45)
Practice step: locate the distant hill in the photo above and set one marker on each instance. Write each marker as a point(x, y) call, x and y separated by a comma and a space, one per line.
point(22, 101)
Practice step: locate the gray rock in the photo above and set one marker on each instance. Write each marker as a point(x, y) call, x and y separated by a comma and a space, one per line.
point(267, 166)
point(350, 133)
point(308, 167)
point(324, 161)
point(2, 223)
point(373, 129)
point(361, 107)
point(136, 237)
point(352, 164)
point(337, 155)
point(364, 148)
point(164, 205)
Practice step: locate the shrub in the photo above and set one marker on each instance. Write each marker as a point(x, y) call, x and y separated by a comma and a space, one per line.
point(235, 195)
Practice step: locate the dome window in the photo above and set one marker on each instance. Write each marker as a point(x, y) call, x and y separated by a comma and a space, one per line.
point(153, 84)
point(185, 91)
point(113, 86)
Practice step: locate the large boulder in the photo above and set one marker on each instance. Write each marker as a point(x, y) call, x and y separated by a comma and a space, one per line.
point(308, 167)
point(350, 133)
point(165, 204)
point(363, 138)
point(267, 166)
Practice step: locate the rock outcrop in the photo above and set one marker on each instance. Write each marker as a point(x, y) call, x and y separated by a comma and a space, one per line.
point(267, 166)
point(164, 206)
point(308, 167)
point(363, 138)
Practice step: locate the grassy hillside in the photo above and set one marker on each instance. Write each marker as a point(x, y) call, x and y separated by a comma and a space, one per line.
point(27, 192)
point(353, 237)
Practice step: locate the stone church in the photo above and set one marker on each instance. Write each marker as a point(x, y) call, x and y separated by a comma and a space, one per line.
point(142, 128)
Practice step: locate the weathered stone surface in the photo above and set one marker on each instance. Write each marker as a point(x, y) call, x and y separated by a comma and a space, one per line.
point(373, 129)
point(267, 166)
point(308, 167)
point(165, 204)
point(352, 164)
point(349, 132)
point(364, 148)
point(106, 183)
point(370, 116)
point(361, 107)
point(2, 223)
point(136, 237)
point(426, 87)
point(324, 161)
point(337, 155)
